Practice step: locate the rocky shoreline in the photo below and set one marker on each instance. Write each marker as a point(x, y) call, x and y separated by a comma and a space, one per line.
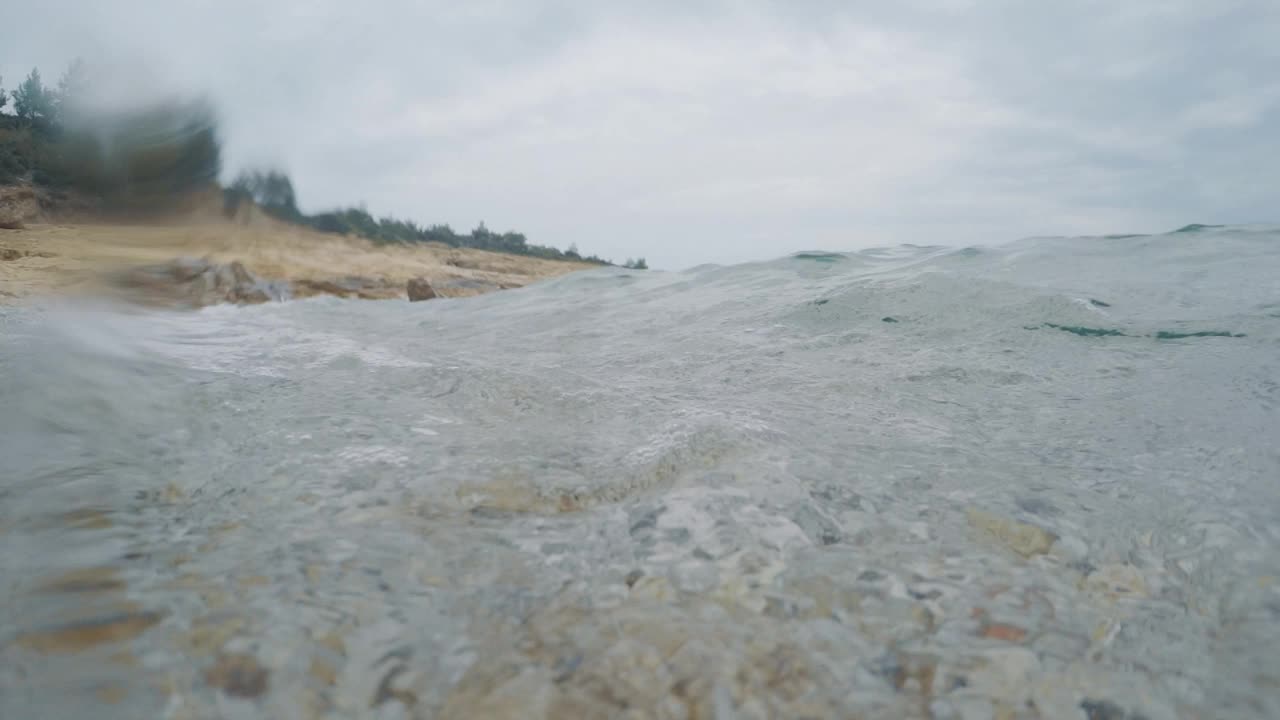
point(199, 262)
point(198, 282)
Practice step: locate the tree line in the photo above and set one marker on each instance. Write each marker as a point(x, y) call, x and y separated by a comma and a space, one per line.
point(273, 191)
point(136, 158)
point(145, 157)
point(34, 103)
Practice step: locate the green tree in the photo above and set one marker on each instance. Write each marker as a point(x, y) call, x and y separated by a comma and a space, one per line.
point(152, 154)
point(32, 101)
point(73, 87)
point(272, 189)
point(4, 97)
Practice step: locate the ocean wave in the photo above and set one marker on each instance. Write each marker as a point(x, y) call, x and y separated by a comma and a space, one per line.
point(867, 480)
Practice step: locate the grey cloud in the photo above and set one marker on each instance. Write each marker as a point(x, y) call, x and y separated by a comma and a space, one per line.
point(724, 131)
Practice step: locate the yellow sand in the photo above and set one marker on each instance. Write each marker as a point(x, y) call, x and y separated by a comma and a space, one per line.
point(71, 258)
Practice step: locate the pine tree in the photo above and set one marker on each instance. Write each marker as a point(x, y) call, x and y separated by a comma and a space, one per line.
point(72, 88)
point(272, 189)
point(32, 101)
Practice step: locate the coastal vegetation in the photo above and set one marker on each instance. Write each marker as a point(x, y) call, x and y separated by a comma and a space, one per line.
point(131, 159)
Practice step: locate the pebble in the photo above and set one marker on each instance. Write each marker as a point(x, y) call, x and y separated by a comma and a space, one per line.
point(695, 576)
point(111, 694)
point(652, 588)
point(238, 676)
point(1007, 674)
point(1070, 549)
point(1105, 710)
point(323, 671)
point(1001, 631)
point(1116, 582)
point(1023, 538)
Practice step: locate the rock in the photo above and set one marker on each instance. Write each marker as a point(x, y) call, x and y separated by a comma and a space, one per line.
point(652, 588)
point(1023, 538)
point(908, 672)
point(420, 289)
point(1003, 631)
point(9, 254)
point(189, 282)
point(307, 288)
point(392, 688)
point(111, 694)
point(1006, 675)
point(963, 707)
point(364, 288)
point(238, 676)
point(19, 205)
point(1116, 581)
point(1106, 710)
point(323, 671)
point(695, 576)
point(236, 284)
point(1071, 549)
point(471, 286)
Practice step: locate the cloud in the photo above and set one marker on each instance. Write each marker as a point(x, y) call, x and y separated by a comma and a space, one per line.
point(725, 131)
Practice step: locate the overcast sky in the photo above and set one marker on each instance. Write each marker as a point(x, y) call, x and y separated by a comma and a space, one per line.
point(692, 132)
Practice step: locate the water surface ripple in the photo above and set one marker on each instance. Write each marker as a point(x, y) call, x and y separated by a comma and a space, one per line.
point(1037, 480)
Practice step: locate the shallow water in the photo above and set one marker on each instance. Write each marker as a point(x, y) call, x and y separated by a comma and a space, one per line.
point(1010, 482)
